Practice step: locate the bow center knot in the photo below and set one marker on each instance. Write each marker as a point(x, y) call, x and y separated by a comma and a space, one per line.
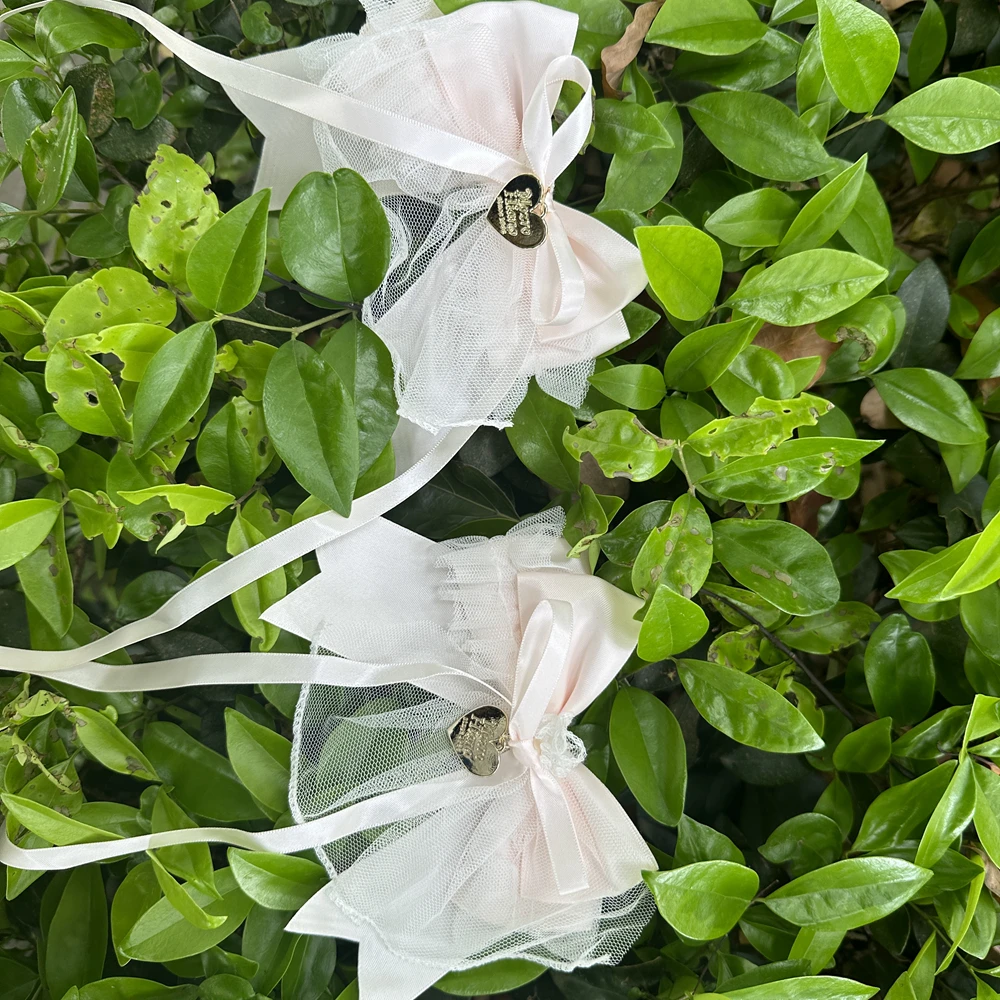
point(553, 749)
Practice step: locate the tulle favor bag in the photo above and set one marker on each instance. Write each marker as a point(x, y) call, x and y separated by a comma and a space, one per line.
point(491, 281)
point(435, 771)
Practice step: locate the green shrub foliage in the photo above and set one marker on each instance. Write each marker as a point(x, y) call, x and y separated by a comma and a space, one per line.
point(792, 462)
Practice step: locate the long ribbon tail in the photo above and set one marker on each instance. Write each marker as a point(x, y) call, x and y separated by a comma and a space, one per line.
point(302, 97)
point(404, 803)
point(243, 569)
point(207, 669)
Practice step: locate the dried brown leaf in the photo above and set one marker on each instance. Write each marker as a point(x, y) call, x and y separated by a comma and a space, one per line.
point(877, 414)
point(804, 512)
point(791, 342)
point(893, 4)
point(616, 58)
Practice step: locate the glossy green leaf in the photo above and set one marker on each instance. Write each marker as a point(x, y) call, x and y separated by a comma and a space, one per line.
point(226, 264)
point(860, 52)
point(760, 134)
point(335, 236)
point(174, 386)
point(684, 267)
point(780, 562)
point(703, 901)
point(848, 894)
point(807, 287)
point(931, 403)
point(649, 748)
point(313, 424)
point(746, 709)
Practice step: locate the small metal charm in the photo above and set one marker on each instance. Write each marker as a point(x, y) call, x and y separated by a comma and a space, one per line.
point(479, 737)
point(517, 213)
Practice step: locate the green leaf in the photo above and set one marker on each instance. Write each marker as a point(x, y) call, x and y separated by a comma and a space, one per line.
point(191, 862)
point(253, 599)
point(649, 748)
point(134, 344)
point(50, 154)
point(677, 553)
point(484, 980)
point(196, 503)
point(843, 625)
point(112, 297)
point(203, 781)
point(787, 472)
point(174, 386)
point(276, 881)
point(804, 843)
point(234, 447)
point(713, 27)
point(637, 181)
point(807, 287)
point(639, 387)
point(848, 894)
point(746, 709)
point(163, 934)
point(684, 267)
point(24, 525)
point(181, 900)
point(931, 403)
point(759, 218)
point(866, 750)
point(780, 562)
point(899, 810)
point(85, 395)
point(826, 211)
point(951, 116)
point(536, 436)
point(173, 211)
point(951, 815)
point(77, 932)
point(226, 264)
point(312, 422)
point(899, 671)
point(705, 900)
point(763, 65)
point(806, 988)
point(364, 365)
point(982, 358)
point(261, 758)
point(627, 127)
point(335, 236)
point(672, 624)
point(621, 446)
point(697, 842)
point(980, 260)
point(65, 27)
point(702, 356)
point(105, 742)
point(927, 46)
point(760, 134)
point(860, 52)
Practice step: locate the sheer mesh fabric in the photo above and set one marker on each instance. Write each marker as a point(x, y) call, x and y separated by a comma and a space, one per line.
point(456, 293)
point(460, 885)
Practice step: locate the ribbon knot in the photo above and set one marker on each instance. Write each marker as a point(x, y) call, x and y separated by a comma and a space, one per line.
point(554, 747)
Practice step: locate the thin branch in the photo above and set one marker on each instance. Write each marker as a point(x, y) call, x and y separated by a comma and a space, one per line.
point(789, 652)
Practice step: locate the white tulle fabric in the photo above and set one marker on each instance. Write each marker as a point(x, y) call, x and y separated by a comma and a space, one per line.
point(538, 861)
point(468, 317)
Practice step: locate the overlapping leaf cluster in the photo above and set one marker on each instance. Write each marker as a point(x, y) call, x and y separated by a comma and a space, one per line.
point(792, 462)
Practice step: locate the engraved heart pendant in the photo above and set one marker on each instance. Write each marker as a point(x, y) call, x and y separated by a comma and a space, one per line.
point(517, 213)
point(479, 737)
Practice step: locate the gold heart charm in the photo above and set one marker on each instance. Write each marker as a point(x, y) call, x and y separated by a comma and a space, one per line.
point(479, 737)
point(517, 213)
